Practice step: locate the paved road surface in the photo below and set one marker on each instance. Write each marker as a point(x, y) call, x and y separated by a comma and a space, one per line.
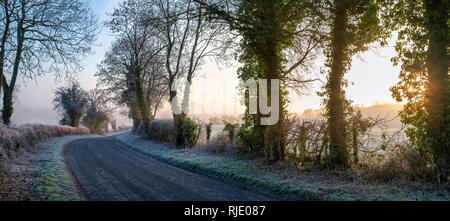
point(106, 170)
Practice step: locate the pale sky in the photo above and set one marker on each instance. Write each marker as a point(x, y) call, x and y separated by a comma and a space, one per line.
point(372, 79)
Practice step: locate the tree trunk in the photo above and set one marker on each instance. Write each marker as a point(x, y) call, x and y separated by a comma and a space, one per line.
point(8, 94)
point(336, 122)
point(192, 63)
point(355, 145)
point(134, 113)
point(136, 122)
point(3, 43)
point(7, 107)
point(141, 101)
point(302, 143)
point(74, 120)
point(273, 137)
point(323, 147)
point(177, 121)
point(437, 95)
point(148, 100)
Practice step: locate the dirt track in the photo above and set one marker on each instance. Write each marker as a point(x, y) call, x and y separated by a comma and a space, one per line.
point(105, 170)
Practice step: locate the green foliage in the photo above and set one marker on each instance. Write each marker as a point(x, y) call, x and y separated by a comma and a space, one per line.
point(423, 52)
point(95, 119)
point(304, 141)
point(230, 129)
point(268, 29)
point(71, 101)
point(178, 127)
point(358, 126)
point(411, 54)
point(352, 27)
point(208, 131)
point(248, 140)
point(190, 132)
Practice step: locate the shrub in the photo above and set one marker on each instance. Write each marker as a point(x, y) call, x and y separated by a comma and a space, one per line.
point(95, 119)
point(402, 161)
point(191, 132)
point(162, 131)
point(71, 101)
point(247, 140)
point(230, 129)
point(208, 131)
point(219, 144)
point(14, 139)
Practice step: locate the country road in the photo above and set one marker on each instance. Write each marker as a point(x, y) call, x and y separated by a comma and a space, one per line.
point(105, 170)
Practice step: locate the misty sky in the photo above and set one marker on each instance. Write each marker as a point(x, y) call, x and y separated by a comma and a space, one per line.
point(372, 78)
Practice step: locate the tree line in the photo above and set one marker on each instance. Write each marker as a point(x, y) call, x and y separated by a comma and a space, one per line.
point(161, 41)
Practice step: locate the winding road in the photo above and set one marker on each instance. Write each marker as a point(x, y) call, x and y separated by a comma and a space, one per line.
point(108, 171)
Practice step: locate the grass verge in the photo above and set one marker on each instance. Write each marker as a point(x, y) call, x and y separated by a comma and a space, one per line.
point(278, 180)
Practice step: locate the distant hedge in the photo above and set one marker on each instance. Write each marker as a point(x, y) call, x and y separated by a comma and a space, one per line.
point(13, 139)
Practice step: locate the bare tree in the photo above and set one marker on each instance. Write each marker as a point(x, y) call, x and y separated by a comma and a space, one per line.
point(7, 7)
point(139, 37)
point(46, 36)
point(189, 38)
point(116, 81)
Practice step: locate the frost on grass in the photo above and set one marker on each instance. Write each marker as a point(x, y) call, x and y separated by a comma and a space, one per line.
point(54, 182)
point(279, 180)
point(17, 138)
point(31, 167)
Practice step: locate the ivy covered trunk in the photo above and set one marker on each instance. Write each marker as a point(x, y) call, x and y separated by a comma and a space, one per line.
point(75, 120)
point(270, 53)
point(437, 95)
point(135, 115)
point(177, 121)
point(141, 101)
point(274, 142)
point(136, 122)
point(265, 35)
point(355, 145)
point(338, 155)
point(7, 107)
